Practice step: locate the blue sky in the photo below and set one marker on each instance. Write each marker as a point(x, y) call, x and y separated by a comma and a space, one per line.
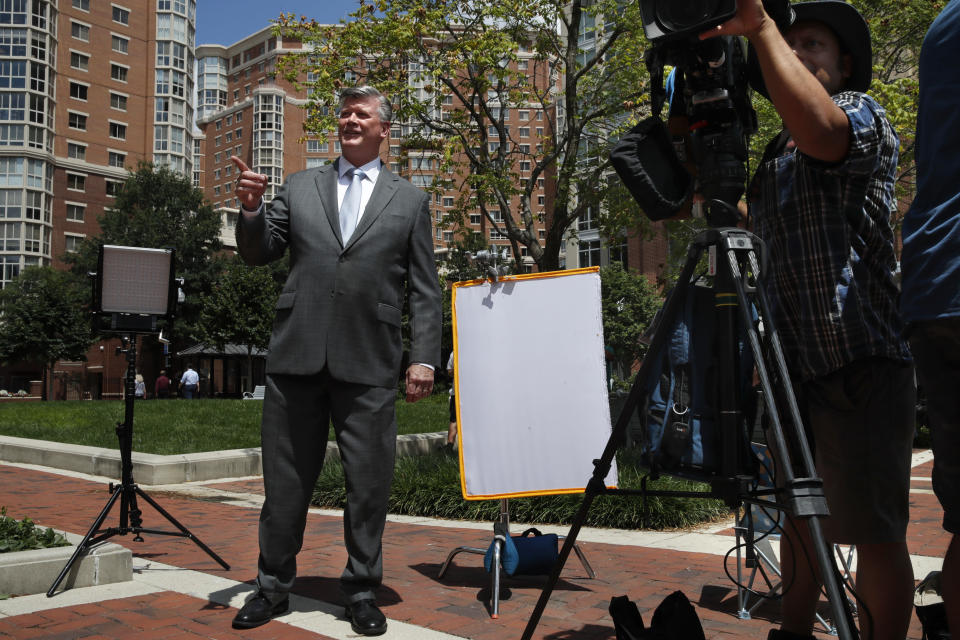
point(227, 21)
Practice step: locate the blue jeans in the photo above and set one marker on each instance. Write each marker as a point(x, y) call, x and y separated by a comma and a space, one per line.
point(189, 390)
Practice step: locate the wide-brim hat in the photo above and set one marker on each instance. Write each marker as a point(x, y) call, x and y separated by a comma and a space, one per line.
point(849, 27)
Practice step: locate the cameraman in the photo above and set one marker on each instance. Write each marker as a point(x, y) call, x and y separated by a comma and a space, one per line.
point(821, 199)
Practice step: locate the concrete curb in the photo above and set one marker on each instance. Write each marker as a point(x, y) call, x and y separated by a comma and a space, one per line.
point(150, 469)
point(31, 572)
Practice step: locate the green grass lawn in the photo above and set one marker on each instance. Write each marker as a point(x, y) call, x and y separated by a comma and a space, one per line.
point(167, 427)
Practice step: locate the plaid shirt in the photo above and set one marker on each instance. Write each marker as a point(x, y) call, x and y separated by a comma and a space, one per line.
point(831, 259)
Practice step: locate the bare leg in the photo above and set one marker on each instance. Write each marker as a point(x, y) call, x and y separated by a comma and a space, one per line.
point(885, 584)
point(800, 583)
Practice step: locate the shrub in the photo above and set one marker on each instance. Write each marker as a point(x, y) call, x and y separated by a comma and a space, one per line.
point(429, 486)
point(25, 535)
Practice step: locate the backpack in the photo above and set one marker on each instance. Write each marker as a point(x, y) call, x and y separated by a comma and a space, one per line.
point(681, 434)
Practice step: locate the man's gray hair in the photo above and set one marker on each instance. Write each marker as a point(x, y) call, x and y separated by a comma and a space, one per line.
point(385, 110)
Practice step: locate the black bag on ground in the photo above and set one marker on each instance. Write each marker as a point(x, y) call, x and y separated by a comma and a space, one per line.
point(674, 619)
point(536, 553)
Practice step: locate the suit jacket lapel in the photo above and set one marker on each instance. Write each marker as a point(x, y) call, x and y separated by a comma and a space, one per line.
point(382, 194)
point(327, 187)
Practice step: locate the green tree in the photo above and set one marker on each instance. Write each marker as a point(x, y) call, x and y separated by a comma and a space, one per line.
point(157, 207)
point(44, 317)
point(629, 302)
point(240, 309)
point(455, 266)
point(580, 60)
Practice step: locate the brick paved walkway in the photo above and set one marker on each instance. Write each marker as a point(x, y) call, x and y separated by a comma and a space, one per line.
point(224, 516)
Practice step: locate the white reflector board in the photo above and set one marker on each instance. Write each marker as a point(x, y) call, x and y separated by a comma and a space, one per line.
point(530, 376)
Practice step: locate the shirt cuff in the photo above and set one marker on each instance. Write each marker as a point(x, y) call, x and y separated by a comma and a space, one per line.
point(424, 364)
point(247, 213)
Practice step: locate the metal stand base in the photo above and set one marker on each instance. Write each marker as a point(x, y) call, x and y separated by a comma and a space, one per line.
point(501, 530)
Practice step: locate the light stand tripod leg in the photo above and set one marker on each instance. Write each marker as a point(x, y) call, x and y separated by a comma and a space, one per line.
point(184, 532)
point(86, 542)
point(127, 491)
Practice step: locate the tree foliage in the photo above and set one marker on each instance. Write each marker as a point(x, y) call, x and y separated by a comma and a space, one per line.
point(629, 302)
point(157, 207)
point(45, 318)
point(455, 70)
point(240, 309)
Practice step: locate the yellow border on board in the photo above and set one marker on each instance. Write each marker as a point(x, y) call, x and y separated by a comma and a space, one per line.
point(456, 382)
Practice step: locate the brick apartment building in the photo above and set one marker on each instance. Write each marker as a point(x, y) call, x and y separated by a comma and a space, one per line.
point(89, 88)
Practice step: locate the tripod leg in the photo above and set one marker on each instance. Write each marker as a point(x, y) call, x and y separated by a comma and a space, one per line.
point(805, 495)
point(82, 546)
point(642, 386)
point(186, 533)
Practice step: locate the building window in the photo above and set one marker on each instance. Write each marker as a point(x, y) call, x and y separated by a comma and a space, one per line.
point(524, 132)
point(589, 253)
point(121, 15)
point(120, 45)
point(475, 218)
point(80, 31)
point(72, 243)
point(240, 116)
point(76, 151)
point(76, 182)
point(75, 212)
point(116, 159)
point(118, 73)
point(78, 91)
point(118, 102)
point(118, 131)
point(79, 61)
point(316, 146)
point(77, 121)
point(83, 5)
point(447, 201)
point(112, 187)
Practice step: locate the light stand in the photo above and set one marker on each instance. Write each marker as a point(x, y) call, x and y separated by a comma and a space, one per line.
point(149, 274)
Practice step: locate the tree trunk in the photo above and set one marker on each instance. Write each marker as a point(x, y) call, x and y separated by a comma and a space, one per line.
point(47, 386)
point(250, 369)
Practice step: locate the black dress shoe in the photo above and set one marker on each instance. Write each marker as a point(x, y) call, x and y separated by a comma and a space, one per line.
point(365, 618)
point(258, 611)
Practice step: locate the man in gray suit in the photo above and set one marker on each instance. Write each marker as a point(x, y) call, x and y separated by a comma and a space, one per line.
point(358, 235)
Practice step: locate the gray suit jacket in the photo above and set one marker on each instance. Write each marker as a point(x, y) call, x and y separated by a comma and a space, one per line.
point(341, 305)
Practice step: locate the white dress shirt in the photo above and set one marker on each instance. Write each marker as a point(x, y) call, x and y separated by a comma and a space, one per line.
point(371, 172)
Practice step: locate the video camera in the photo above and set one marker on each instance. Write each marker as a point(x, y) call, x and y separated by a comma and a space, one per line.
point(710, 114)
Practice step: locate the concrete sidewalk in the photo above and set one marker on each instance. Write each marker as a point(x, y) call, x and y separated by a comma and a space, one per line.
point(180, 592)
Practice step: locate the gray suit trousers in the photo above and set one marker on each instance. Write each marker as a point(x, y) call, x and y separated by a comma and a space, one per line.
point(297, 411)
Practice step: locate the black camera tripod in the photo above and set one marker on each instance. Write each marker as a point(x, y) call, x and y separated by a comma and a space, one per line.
point(736, 287)
point(127, 491)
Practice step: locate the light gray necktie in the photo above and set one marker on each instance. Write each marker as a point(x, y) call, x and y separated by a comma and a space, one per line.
point(350, 207)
